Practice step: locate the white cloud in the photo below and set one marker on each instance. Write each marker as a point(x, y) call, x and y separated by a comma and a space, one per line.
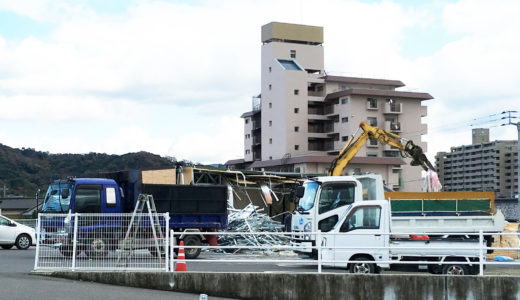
point(220, 142)
point(201, 62)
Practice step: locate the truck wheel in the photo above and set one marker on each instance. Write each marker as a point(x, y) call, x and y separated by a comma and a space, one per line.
point(98, 247)
point(455, 269)
point(66, 250)
point(23, 241)
point(192, 240)
point(361, 267)
point(6, 247)
point(434, 269)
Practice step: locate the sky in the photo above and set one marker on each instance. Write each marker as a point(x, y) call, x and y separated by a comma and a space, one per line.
point(173, 77)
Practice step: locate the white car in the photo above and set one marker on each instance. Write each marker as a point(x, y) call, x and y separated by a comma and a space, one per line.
point(15, 234)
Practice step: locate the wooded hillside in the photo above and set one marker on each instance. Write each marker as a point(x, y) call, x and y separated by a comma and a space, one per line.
point(25, 170)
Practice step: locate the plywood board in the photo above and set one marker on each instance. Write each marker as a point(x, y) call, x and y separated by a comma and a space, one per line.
point(166, 176)
point(187, 172)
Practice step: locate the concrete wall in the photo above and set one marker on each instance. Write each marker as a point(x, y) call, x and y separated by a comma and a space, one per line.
point(314, 286)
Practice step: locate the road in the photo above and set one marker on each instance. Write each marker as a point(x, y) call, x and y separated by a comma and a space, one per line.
point(16, 283)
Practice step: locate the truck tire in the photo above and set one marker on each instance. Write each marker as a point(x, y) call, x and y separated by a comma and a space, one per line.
point(97, 248)
point(23, 241)
point(192, 240)
point(362, 267)
point(454, 269)
point(7, 247)
point(435, 269)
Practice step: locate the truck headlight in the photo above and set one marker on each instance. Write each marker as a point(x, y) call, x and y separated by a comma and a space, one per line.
point(307, 228)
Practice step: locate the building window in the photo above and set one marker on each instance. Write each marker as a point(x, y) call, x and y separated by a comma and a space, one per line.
point(344, 138)
point(372, 103)
point(344, 100)
point(296, 128)
point(269, 69)
point(344, 120)
point(372, 121)
point(248, 151)
point(296, 147)
point(293, 53)
point(247, 120)
point(371, 154)
point(270, 123)
point(270, 141)
point(296, 110)
point(270, 105)
point(372, 141)
point(296, 92)
point(270, 87)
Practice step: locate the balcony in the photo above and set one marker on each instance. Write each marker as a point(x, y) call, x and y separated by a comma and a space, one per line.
point(321, 145)
point(315, 94)
point(393, 108)
point(393, 126)
point(256, 103)
point(424, 111)
point(372, 106)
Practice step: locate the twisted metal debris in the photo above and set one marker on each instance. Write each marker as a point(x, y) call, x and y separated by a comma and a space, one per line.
point(250, 219)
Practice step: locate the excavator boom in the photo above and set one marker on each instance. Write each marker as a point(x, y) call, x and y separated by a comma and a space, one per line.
point(384, 137)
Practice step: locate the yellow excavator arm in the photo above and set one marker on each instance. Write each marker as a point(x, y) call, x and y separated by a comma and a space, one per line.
point(384, 137)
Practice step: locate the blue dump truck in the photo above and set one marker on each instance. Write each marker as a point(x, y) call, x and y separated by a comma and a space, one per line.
point(198, 209)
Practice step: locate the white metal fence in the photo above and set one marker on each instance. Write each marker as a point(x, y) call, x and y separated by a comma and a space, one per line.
point(113, 242)
point(457, 252)
point(101, 242)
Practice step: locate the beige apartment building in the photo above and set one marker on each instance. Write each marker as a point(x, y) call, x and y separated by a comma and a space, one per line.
point(303, 116)
point(481, 166)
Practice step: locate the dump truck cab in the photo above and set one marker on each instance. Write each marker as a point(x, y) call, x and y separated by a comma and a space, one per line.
point(83, 195)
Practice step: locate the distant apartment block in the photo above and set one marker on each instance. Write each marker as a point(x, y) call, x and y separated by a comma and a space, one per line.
point(481, 166)
point(303, 116)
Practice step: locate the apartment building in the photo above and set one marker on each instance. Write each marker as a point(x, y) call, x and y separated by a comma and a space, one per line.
point(303, 116)
point(481, 166)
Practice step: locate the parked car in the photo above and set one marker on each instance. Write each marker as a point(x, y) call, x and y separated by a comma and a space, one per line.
point(15, 234)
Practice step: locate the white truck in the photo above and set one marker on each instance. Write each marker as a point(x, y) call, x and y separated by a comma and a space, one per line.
point(362, 241)
point(324, 200)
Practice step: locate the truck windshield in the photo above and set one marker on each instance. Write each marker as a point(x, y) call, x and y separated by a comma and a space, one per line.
point(54, 201)
point(335, 195)
point(307, 201)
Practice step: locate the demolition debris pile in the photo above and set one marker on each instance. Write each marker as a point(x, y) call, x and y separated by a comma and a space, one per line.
point(248, 220)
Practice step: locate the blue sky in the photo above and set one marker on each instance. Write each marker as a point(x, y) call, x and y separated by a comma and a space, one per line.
point(173, 77)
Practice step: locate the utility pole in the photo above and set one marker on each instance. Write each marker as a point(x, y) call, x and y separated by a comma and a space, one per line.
point(509, 118)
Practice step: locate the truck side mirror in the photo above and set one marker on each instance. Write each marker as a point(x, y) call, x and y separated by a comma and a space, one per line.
point(65, 193)
point(300, 191)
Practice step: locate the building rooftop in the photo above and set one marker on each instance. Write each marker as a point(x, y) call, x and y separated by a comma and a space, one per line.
point(384, 93)
point(292, 33)
point(394, 83)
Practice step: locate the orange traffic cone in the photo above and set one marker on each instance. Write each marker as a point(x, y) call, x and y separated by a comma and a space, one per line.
point(180, 266)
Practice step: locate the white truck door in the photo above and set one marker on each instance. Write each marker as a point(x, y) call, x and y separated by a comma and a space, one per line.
point(361, 228)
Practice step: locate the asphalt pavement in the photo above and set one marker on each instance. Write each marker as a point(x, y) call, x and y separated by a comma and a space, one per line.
point(17, 282)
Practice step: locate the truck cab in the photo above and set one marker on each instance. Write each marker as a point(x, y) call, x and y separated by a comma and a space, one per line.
point(363, 241)
point(323, 200)
point(83, 195)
